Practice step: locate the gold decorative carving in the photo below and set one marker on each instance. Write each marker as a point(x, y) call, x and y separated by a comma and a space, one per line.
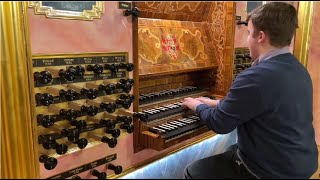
point(302, 37)
point(96, 11)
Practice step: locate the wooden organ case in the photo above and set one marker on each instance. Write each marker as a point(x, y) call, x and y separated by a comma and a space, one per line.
point(181, 49)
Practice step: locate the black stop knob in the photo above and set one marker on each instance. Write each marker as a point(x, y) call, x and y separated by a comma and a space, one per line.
point(134, 12)
point(129, 66)
point(82, 143)
point(46, 121)
point(109, 89)
point(122, 81)
point(49, 162)
point(112, 67)
point(110, 124)
point(127, 88)
point(99, 175)
point(97, 68)
point(70, 114)
point(44, 77)
point(141, 116)
point(114, 132)
point(69, 74)
point(49, 142)
point(112, 142)
point(130, 97)
point(45, 99)
point(91, 93)
point(109, 107)
point(61, 148)
point(70, 94)
point(124, 86)
point(125, 103)
point(90, 110)
point(72, 135)
point(130, 81)
point(79, 124)
point(124, 119)
point(80, 71)
point(116, 169)
point(128, 127)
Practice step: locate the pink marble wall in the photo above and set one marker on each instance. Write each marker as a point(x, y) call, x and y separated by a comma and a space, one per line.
point(113, 32)
point(240, 39)
point(314, 67)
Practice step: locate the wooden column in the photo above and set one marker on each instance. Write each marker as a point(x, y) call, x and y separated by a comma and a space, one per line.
point(19, 156)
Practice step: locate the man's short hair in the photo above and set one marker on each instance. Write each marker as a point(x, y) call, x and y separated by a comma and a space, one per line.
point(277, 19)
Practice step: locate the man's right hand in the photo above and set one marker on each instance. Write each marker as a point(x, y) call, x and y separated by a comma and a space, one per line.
point(208, 101)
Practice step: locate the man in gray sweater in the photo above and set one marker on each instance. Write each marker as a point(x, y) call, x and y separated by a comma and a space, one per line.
point(270, 104)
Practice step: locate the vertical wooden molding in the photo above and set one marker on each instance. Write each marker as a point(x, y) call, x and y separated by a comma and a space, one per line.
point(18, 143)
point(229, 45)
point(302, 37)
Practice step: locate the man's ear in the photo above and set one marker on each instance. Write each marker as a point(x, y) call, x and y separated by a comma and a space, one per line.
point(262, 37)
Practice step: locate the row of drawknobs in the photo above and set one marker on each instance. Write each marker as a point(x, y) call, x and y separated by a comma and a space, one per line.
point(51, 163)
point(49, 141)
point(73, 135)
point(45, 99)
point(90, 110)
point(73, 72)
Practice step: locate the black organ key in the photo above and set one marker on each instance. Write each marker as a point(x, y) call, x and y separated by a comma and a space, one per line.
point(194, 117)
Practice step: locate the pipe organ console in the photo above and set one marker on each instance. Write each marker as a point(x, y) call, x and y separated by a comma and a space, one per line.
point(163, 120)
point(84, 104)
point(82, 100)
point(178, 56)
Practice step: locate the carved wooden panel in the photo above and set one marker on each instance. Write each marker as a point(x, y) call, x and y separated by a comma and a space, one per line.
point(221, 30)
point(172, 44)
point(178, 10)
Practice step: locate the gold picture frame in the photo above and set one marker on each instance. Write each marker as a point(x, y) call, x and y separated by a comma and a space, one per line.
point(96, 11)
point(262, 3)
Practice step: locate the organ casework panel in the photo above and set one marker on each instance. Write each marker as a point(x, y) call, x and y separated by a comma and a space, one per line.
point(82, 101)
